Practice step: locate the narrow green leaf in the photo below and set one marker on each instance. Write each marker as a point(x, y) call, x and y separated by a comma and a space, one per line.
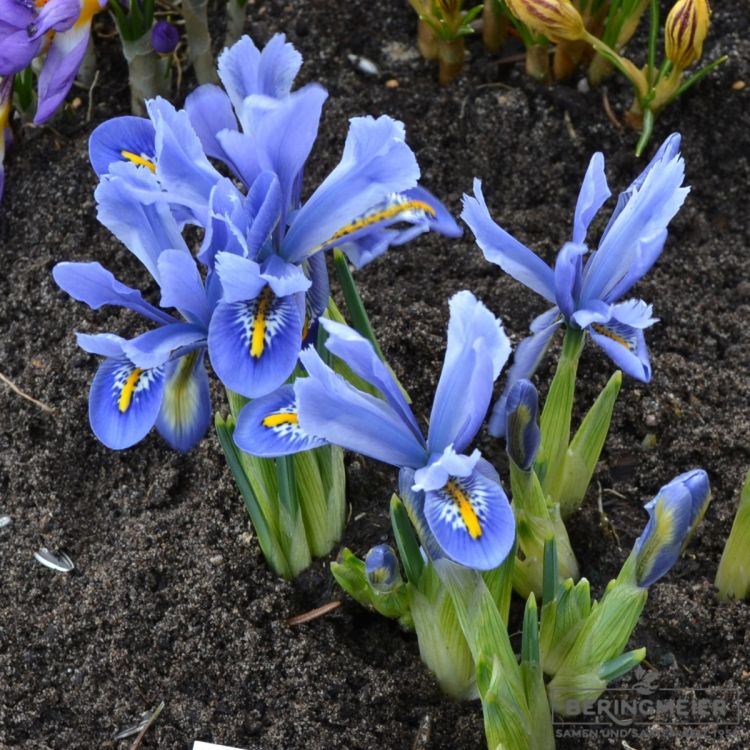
point(733, 576)
point(586, 447)
point(550, 576)
point(555, 420)
point(267, 540)
point(406, 541)
point(354, 305)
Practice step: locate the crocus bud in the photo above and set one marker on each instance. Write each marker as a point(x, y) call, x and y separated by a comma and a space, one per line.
point(164, 37)
point(558, 20)
point(673, 515)
point(685, 30)
point(381, 568)
point(521, 427)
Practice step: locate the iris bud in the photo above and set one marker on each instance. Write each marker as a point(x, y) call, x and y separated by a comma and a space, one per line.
point(558, 20)
point(381, 568)
point(521, 427)
point(673, 515)
point(685, 30)
point(164, 37)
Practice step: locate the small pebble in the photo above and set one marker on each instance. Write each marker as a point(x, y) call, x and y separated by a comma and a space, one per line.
point(364, 65)
point(583, 86)
point(5, 521)
point(216, 560)
point(738, 85)
point(392, 83)
point(650, 420)
point(246, 538)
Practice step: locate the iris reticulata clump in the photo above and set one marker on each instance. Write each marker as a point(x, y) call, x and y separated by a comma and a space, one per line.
point(252, 293)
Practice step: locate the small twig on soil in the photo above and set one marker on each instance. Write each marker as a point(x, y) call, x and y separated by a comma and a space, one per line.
point(611, 116)
point(313, 614)
point(26, 396)
point(424, 733)
point(604, 521)
point(90, 107)
point(154, 717)
point(512, 59)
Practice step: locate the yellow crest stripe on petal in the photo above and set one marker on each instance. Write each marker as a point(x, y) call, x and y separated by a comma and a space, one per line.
point(465, 508)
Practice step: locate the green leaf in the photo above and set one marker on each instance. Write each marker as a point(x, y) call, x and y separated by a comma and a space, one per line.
point(733, 576)
point(554, 423)
point(406, 541)
point(586, 447)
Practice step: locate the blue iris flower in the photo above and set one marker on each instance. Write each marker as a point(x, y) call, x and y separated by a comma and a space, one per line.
point(159, 377)
point(262, 248)
point(456, 500)
point(587, 295)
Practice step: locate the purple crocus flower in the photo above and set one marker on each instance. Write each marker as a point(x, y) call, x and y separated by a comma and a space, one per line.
point(6, 106)
point(164, 37)
point(455, 500)
point(588, 295)
point(25, 32)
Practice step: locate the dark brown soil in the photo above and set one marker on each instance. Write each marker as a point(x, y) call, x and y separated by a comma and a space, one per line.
point(171, 600)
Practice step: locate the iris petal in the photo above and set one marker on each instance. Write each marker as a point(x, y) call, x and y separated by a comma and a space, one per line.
point(124, 402)
point(269, 426)
point(477, 350)
point(625, 346)
point(185, 412)
point(254, 344)
point(506, 251)
point(472, 521)
point(594, 192)
point(333, 409)
point(132, 135)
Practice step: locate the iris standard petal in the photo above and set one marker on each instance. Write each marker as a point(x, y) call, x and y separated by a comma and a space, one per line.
point(210, 111)
point(526, 359)
point(441, 468)
point(182, 286)
point(506, 251)
point(124, 402)
point(637, 236)
point(246, 71)
point(146, 229)
point(286, 135)
point(182, 164)
point(476, 351)
point(472, 521)
point(60, 67)
point(254, 344)
point(568, 266)
point(185, 413)
point(264, 206)
point(376, 163)
point(240, 277)
point(667, 151)
point(125, 138)
point(94, 285)
point(625, 346)
point(594, 192)
point(227, 223)
point(344, 342)
point(333, 409)
point(159, 345)
point(269, 426)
